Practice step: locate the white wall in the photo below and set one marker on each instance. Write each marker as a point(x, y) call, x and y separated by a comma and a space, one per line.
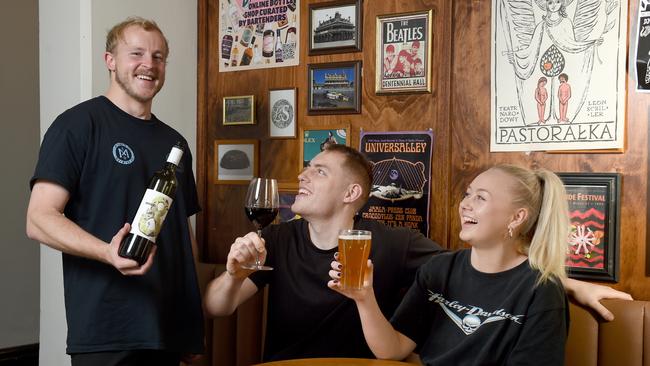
point(72, 37)
point(19, 264)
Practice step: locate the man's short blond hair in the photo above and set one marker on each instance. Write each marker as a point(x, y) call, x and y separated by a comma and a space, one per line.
point(116, 33)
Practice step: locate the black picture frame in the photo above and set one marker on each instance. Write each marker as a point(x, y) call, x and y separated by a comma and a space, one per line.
point(594, 211)
point(328, 22)
point(341, 94)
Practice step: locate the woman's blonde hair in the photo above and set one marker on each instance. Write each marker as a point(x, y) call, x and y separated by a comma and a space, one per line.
point(547, 226)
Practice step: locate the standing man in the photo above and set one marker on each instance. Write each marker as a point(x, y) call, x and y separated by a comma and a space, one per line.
point(564, 94)
point(94, 165)
point(304, 317)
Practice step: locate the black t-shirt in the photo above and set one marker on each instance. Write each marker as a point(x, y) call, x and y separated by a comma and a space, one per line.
point(459, 316)
point(104, 158)
point(306, 318)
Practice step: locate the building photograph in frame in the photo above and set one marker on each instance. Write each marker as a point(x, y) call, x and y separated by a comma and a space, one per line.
point(334, 88)
point(239, 110)
point(335, 27)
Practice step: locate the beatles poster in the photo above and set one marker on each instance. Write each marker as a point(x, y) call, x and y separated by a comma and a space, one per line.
point(401, 178)
point(558, 74)
point(403, 53)
point(643, 48)
point(256, 34)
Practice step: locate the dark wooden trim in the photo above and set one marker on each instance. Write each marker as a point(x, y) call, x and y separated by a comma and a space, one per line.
point(201, 125)
point(20, 355)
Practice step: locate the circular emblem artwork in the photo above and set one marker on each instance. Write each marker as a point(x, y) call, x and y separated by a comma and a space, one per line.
point(123, 154)
point(282, 113)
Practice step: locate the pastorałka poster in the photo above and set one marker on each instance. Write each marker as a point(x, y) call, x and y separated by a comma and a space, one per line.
point(558, 74)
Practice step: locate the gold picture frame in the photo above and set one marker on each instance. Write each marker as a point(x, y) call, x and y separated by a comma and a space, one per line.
point(238, 110)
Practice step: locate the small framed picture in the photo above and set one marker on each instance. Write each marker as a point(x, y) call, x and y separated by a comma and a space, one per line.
point(282, 113)
point(334, 88)
point(594, 208)
point(287, 198)
point(403, 53)
point(236, 161)
point(239, 110)
point(315, 139)
point(335, 27)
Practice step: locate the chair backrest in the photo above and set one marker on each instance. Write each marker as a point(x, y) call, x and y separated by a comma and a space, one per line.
point(234, 340)
point(594, 342)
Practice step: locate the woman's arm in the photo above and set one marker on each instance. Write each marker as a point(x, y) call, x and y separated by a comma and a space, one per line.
point(384, 341)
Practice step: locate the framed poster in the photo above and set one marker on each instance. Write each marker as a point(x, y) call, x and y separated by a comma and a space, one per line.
point(335, 27)
point(258, 34)
point(401, 178)
point(558, 75)
point(314, 139)
point(643, 48)
point(287, 198)
point(594, 213)
point(239, 110)
point(282, 113)
point(403, 53)
point(334, 88)
point(236, 161)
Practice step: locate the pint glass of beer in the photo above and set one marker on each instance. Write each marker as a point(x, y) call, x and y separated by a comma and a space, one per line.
point(354, 248)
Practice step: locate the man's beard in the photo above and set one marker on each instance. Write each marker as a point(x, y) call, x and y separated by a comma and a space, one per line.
point(131, 92)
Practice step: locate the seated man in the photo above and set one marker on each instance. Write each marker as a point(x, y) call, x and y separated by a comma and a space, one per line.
point(305, 318)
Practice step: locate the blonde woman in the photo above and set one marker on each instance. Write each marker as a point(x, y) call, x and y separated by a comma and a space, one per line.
point(500, 302)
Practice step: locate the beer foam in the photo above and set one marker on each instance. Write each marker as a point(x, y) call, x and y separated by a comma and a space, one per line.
point(355, 237)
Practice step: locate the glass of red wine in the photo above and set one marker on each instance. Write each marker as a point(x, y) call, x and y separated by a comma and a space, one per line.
point(262, 205)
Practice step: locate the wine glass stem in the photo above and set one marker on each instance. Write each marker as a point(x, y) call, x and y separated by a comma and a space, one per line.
point(257, 253)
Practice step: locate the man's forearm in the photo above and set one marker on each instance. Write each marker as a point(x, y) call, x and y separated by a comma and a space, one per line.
point(224, 294)
point(58, 232)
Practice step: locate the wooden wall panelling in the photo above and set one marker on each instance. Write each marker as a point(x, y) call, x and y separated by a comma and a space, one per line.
point(223, 217)
point(470, 126)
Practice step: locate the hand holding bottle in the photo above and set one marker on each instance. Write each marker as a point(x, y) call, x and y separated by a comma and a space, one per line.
point(127, 267)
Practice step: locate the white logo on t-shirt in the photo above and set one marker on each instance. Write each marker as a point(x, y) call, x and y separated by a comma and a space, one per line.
point(123, 153)
point(472, 315)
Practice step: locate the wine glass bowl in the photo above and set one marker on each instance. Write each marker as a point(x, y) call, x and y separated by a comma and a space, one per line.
point(261, 207)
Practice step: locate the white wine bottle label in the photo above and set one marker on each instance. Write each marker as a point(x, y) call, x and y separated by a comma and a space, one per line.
point(151, 214)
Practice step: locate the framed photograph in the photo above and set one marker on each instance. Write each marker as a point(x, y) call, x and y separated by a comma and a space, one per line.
point(236, 161)
point(335, 27)
point(403, 53)
point(594, 208)
point(282, 113)
point(239, 110)
point(334, 88)
point(315, 139)
point(287, 198)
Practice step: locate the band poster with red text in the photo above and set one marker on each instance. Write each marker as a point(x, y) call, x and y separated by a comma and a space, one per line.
point(401, 181)
point(258, 34)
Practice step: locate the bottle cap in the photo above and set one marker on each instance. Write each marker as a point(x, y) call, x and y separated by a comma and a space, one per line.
point(176, 154)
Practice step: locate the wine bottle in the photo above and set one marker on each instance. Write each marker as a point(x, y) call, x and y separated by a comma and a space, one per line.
point(152, 211)
point(247, 56)
point(278, 48)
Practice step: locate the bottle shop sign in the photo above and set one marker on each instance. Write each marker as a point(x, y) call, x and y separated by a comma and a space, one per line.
point(257, 34)
point(151, 214)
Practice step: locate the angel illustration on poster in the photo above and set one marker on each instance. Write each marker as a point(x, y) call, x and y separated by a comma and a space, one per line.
point(547, 57)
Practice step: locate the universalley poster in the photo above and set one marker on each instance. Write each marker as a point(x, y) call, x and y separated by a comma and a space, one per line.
point(403, 53)
point(558, 74)
point(255, 34)
point(643, 48)
point(401, 178)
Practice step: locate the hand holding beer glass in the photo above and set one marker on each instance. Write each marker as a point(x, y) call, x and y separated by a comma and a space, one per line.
point(354, 248)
